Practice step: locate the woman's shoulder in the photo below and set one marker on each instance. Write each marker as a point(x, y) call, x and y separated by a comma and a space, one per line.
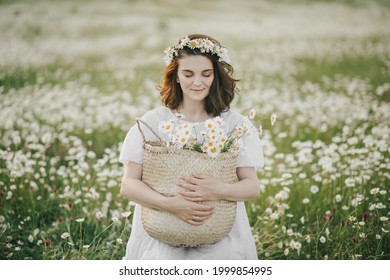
point(156, 114)
point(232, 116)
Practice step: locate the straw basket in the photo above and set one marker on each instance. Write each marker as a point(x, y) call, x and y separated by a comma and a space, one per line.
point(162, 168)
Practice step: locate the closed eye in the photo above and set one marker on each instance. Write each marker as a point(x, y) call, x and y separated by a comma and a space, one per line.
point(205, 73)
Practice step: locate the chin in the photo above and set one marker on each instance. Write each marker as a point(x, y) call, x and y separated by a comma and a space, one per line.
point(199, 96)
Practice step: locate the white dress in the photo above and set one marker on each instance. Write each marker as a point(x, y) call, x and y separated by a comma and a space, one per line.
point(238, 244)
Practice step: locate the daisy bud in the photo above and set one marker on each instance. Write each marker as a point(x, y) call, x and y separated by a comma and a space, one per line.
point(273, 119)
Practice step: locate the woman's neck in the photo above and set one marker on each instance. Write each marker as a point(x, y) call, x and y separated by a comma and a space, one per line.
point(193, 112)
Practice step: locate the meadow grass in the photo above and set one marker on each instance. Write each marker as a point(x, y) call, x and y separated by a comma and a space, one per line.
point(59, 74)
point(371, 68)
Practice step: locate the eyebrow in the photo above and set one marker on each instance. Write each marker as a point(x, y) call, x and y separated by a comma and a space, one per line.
point(186, 70)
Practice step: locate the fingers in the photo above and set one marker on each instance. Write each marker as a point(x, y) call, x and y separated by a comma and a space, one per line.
point(200, 213)
point(199, 175)
point(189, 179)
point(194, 223)
point(192, 183)
point(195, 178)
point(186, 186)
point(199, 218)
point(204, 214)
point(193, 199)
point(203, 208)
point(192, 194)
point(189, 211)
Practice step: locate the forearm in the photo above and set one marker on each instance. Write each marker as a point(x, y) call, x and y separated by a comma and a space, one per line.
point(192, 213)
point(137, 191)
point(242, 190)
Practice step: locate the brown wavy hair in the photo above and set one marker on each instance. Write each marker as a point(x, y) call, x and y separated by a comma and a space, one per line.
point(222, 90)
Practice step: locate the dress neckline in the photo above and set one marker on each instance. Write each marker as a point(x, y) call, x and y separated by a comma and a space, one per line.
point(184, 120)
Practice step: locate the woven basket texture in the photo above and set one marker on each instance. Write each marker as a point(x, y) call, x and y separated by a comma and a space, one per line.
point(162, 168)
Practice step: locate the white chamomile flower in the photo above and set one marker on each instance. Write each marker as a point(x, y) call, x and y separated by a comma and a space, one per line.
point(314, 189)
point(252, 114)
point(126, 214)
point(209, 124)
point(273, 119)
point(219, 121)
point(179, 116)
point(208, 45)
point(214, 151)
point(166, 127)
point(374, 191)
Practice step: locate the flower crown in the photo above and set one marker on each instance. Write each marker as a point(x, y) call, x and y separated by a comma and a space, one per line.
point(204, 45)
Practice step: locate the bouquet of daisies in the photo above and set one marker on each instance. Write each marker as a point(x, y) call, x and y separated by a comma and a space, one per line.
point(214, 138)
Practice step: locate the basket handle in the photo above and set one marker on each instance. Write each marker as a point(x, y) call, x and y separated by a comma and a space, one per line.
point(139, 121)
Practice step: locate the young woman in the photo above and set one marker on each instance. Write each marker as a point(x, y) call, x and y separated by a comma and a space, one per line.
point(198, 84)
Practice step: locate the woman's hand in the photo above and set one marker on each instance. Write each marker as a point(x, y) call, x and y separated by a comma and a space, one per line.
point(193, 213)
point(200, 187)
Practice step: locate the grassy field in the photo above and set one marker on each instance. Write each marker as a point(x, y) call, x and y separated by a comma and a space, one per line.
point(74, 76)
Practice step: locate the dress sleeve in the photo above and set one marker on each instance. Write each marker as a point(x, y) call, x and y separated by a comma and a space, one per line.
point(132, 147)
point(252, 154)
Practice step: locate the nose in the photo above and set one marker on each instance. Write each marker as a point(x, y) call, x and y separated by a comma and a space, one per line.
point(197, 81)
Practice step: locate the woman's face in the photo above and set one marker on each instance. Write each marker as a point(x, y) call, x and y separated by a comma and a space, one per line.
point(195, 75)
